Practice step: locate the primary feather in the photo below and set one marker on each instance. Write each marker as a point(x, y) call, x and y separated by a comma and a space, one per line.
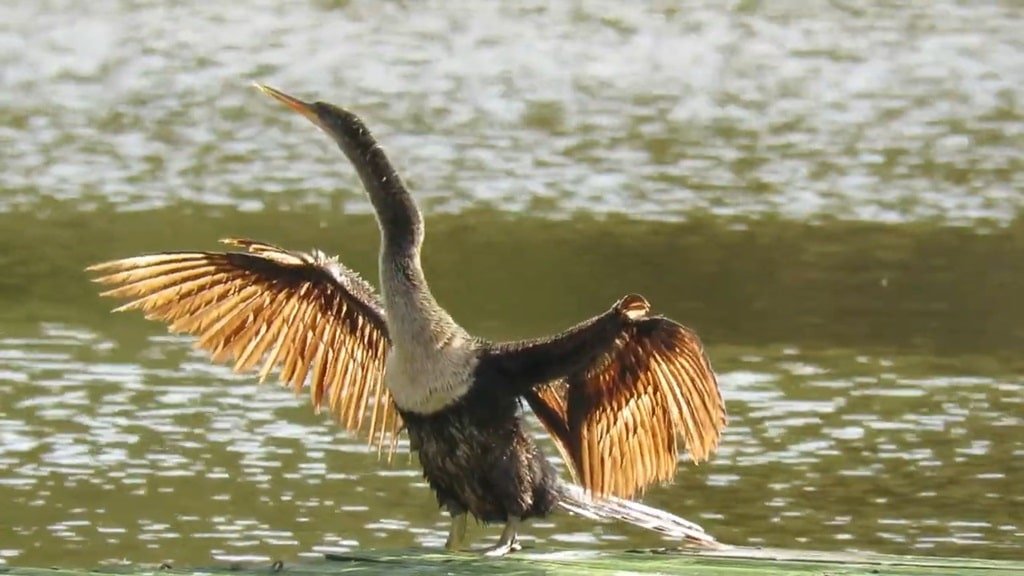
point(305, 314)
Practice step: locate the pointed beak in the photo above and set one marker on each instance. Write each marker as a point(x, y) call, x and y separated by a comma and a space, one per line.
point(304, 108)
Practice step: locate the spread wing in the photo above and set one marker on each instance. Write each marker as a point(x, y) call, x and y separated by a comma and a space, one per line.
point(618, 421)
point(271, 308)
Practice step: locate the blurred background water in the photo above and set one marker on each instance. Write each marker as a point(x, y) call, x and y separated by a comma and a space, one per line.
point(830, 193)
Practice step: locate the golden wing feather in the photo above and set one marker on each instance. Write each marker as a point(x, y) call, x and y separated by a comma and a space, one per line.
point(617, 423)
point(269, 308)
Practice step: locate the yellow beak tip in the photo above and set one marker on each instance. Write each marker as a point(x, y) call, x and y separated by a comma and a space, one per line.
point(292, 102)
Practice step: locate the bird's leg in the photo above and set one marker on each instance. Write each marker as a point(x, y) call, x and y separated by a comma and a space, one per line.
point(509, 541)
point(457, 532)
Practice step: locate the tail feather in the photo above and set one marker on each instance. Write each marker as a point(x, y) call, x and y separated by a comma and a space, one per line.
point(575, 499)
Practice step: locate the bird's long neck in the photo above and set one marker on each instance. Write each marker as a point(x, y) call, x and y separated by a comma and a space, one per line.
point(414, 316)
point(415, 319)
point(400, 220)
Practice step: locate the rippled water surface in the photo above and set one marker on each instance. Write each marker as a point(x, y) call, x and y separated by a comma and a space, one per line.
point(829, 193)
point(812, 110)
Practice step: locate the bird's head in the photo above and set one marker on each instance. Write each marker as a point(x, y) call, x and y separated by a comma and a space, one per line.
point(337, 122)
point(400, 218)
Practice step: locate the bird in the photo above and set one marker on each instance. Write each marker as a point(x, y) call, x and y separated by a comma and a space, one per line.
point(620, 394)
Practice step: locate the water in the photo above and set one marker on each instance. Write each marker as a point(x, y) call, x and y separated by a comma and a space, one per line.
point(831, 195)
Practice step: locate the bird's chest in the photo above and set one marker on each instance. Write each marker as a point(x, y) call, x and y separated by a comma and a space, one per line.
point(425, 379)
point(431, 362)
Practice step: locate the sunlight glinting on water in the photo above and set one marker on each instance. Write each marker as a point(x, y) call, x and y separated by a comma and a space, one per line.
point(119, 434)
point(888, 114)
point(870, 368)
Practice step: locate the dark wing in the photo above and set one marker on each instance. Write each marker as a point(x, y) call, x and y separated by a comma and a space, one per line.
point(303, 313)
point(617, 421)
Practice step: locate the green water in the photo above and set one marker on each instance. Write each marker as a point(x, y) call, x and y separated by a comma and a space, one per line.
point(829, 194)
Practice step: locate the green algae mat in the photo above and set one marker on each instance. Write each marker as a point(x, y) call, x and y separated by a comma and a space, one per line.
point(731, 562)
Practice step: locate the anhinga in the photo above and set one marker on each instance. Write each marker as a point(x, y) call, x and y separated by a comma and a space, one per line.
point(616, 393)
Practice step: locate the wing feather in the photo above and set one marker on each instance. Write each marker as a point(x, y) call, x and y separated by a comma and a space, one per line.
point(270, 308)
point(287, 323)
point(548, 402)
point(617, 422)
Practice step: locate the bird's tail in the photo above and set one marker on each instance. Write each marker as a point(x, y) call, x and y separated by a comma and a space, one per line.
point(575, 499)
